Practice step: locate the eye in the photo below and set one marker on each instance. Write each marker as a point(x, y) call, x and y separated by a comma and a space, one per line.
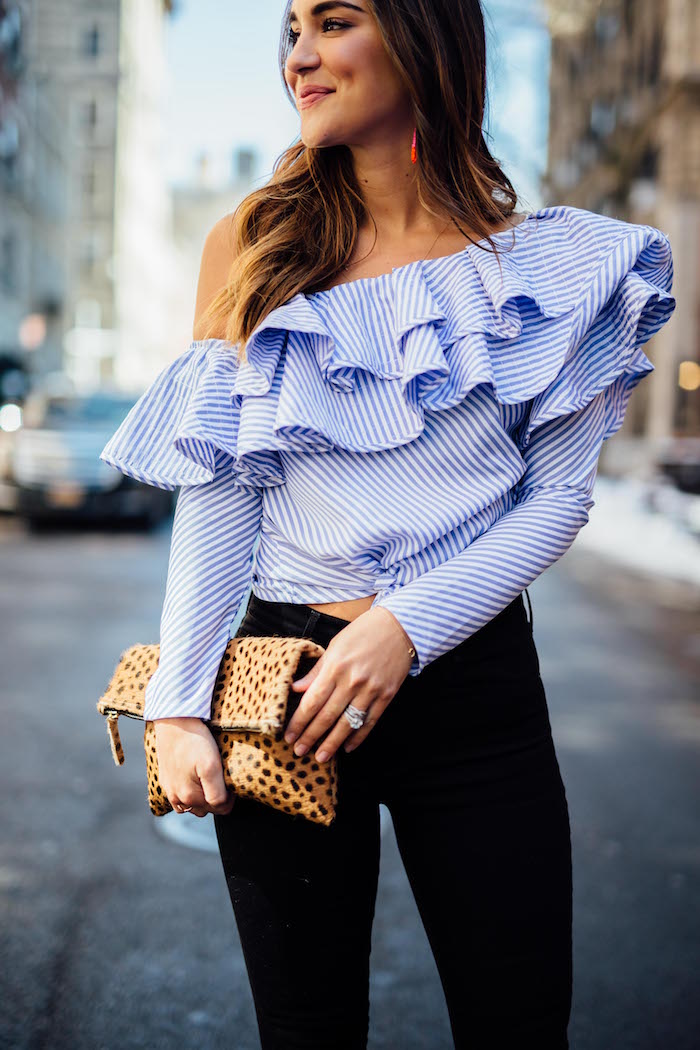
point(292, 36)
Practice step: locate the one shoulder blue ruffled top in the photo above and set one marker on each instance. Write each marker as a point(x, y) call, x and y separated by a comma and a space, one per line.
point(429, 436)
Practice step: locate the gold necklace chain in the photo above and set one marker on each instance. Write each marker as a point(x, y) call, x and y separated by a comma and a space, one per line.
point(347, 267)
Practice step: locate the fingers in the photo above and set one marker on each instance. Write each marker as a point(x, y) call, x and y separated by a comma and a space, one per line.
point(191, 770)
point(201, 808)
point(320, 712)
point(217, 797)
point(207, 791)
point(182, 807)
point(331, 727)
point(343, 733)
point(363, 664)
point(305, 682)
point(358, 735)
point(313, 702)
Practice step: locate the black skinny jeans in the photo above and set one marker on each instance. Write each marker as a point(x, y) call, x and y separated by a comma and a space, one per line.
point(463, 759)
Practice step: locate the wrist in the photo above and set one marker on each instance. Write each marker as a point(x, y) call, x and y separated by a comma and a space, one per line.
point(410, 647)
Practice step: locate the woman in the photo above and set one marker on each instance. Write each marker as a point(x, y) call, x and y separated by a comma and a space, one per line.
point(412, 438)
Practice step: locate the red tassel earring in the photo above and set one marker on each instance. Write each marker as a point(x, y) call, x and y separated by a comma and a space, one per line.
point(414, 155)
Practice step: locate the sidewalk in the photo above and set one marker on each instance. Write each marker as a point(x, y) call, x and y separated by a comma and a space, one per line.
point(651, 527)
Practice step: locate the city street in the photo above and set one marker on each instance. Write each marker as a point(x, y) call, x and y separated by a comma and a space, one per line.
point(116, 936)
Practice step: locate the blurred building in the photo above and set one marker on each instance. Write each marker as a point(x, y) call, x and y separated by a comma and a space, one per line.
point(74, 47)
point(197, 206)
point(625, 141)
point(34, 182)
point(90, 83)
point(144, 272)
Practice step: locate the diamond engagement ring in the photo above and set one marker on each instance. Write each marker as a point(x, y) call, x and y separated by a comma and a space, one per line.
point(355, 717)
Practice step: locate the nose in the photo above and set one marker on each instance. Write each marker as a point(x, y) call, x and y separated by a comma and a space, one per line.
point(302, 58)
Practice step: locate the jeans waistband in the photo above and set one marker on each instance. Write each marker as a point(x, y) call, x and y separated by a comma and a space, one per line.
point(294, 618)
point(295, 615)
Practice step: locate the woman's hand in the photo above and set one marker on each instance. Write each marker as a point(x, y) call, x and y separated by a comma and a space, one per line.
point(364, 665)
point(189, 766)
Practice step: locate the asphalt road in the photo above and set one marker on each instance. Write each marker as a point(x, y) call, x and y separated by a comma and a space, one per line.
point(116, 937)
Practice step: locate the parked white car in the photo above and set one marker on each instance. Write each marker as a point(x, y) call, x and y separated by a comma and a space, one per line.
point(55, 464)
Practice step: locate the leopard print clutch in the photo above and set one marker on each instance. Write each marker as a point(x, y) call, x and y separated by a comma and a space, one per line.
point(251, 706)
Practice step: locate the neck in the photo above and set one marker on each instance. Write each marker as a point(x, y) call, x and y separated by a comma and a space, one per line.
point(387, 181)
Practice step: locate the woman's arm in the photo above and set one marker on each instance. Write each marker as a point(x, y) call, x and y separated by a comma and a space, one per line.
point(214, 531)
point(451, 602)
point(211, 555)
point(182, 434)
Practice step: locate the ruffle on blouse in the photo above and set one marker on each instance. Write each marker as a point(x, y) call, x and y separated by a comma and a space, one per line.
point(357, 367)
point(185, 428)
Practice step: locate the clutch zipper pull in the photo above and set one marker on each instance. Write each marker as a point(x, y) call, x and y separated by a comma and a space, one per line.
point(114, 739)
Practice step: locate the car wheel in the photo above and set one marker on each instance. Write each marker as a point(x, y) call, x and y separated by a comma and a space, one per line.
point(37, 524)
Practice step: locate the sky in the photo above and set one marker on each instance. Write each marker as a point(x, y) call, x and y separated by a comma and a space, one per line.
point(225, 89)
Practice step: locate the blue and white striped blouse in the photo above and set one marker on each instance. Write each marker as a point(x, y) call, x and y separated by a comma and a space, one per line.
point(428, 435)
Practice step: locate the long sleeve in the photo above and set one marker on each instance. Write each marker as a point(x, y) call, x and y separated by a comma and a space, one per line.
point(575, 380)
point(209, 569)
point(451, 602)
point(183, 433)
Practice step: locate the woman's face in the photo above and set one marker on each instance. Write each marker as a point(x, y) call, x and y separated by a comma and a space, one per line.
point(337, 46)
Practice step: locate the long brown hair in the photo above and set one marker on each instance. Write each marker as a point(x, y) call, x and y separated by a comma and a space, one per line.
point(298, 231)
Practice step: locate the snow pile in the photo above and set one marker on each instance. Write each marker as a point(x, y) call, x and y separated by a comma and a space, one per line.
point(649, 526)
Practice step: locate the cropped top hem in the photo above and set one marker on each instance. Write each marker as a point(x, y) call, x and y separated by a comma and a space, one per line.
point(310, 594)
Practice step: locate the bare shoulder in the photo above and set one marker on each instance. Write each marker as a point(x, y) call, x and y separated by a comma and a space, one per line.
point(218, 254)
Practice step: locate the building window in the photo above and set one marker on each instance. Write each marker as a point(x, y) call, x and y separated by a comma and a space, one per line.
point(90, 42)
point(574, 66)
point(8, 262)
point(88, 116)
point(244, 164)
point(655, 55)
point(89, 185)
point(603, 118)
point(9, 148)
point(88, 253)
point(91, 114)
point(11, 39)
point(628, 14)
point(606, 27)
point(649, 163)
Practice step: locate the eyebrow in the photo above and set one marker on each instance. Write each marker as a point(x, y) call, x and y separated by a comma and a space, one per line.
point(326, 6)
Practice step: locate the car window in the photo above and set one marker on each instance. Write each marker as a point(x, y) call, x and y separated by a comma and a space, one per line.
point(101, 409)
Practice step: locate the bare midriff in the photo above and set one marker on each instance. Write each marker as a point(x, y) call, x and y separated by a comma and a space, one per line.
point(345, 610)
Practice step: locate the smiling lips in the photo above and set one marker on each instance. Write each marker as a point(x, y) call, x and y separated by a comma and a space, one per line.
point(314, 96)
